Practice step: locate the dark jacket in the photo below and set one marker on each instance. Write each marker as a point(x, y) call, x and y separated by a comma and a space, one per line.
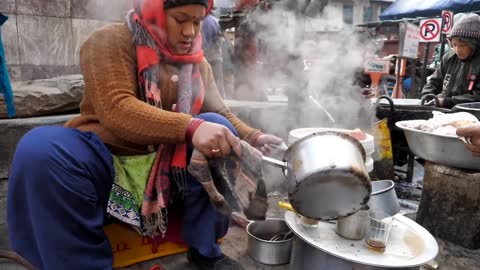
point(451, 80)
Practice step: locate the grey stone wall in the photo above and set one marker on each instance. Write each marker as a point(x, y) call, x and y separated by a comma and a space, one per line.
point(42, 38)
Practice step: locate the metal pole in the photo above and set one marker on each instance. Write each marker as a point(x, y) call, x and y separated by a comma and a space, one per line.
point(413, 75)
point(442, 48)
point(425, 63)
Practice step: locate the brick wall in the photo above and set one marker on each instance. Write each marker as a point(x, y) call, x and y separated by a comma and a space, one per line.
point(42, 37)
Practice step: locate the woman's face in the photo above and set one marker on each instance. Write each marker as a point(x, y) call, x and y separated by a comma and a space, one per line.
point(461, 49)
point(183, 26)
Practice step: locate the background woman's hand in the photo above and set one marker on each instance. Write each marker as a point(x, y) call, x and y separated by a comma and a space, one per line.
point(472, 133)
point(265, 142)
point(214, 140)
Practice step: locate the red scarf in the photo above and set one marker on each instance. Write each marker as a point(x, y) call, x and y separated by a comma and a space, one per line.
point(148, 25)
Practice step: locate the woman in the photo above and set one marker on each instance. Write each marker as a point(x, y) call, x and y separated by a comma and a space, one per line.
point(145, 103)
point(456, 81)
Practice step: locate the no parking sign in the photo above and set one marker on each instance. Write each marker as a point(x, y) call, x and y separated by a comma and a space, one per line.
point(430, 30)
point(447, 17)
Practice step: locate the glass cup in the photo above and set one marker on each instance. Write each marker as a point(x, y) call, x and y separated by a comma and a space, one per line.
point(378, 230)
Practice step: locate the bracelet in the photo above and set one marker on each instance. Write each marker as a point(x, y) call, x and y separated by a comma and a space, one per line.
point(191, 128)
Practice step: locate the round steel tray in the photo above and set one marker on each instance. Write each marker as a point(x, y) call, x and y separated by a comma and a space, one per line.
point(409, 244)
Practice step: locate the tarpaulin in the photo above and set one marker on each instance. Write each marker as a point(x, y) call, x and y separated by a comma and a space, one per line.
point(427, 8)
point(5, 86)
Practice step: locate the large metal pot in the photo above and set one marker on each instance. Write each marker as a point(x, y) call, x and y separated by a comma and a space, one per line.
point(399, 110)
point(473, 108)
point(384, 198)
point(261, 249)
point(304, 256)
point(327, 177)
point(396, 110)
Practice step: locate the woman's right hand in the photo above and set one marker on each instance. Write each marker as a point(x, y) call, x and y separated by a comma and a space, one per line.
point(214, 140)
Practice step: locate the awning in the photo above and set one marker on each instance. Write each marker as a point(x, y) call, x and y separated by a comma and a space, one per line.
point(427, 8)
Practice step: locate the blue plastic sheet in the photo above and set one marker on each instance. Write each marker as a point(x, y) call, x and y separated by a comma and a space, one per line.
point(5, 86)
point(427, 8)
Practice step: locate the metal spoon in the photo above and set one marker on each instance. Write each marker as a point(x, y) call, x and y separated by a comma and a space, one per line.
point(281, 236)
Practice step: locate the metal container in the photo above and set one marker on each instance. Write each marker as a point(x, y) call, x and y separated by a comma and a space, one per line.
point(441, 149)
point(353, 227)
point(327, 177)
point(384, 198)
point(399, 109)
point(409, 246)
point(304, 256)
point(261, 249)
point(473, 108)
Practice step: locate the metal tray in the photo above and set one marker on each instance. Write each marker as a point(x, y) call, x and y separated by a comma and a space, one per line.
point(441, 149)
point(409, 244)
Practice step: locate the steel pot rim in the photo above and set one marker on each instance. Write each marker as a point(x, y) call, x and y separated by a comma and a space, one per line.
point(390, 187)
point(327, 132)
point(267, 241)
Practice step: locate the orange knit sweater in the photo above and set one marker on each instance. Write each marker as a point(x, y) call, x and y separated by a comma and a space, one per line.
point(110, 107)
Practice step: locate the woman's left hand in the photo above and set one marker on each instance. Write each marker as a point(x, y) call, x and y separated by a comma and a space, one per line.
point(264, 143)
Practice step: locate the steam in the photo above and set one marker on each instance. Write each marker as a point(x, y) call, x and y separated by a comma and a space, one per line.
point(288, 38)
point(108, 10)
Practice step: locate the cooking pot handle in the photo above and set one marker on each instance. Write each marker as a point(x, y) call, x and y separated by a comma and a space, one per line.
point(275, 162)
point(390, 101)
point(428, 97)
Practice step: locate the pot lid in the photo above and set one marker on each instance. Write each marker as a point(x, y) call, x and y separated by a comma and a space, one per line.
point(409, 244)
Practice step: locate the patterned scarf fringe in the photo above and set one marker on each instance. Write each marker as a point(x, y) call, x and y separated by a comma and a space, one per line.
point(156, 222)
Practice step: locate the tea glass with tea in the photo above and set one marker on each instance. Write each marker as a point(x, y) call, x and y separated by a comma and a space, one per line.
point(378, 230)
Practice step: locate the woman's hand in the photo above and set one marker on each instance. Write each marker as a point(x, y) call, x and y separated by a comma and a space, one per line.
point(472, 134)
point(214, 140)
point(267, 142)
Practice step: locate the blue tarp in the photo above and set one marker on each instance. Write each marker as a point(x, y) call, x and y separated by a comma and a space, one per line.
point(5, 86)
point(427, 8)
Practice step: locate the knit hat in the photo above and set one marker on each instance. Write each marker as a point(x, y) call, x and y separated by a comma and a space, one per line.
point(175, 3)
point(467, 27)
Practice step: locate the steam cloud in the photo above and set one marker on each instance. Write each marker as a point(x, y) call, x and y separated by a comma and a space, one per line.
point(288, 38)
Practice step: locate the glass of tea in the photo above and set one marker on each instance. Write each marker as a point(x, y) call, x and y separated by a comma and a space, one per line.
point(378, 230)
